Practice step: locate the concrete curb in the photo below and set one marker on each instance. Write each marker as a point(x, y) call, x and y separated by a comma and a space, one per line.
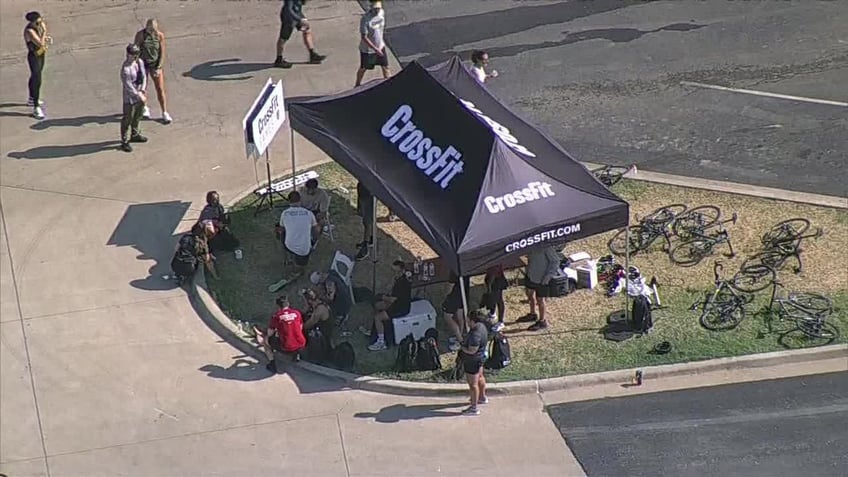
point(221, 324)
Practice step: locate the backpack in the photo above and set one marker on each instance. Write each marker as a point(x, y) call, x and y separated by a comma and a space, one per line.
point(641, 314)
point(500, 356)
point(427, 356)
point(343, 356)
point(187, 250)
point(407, 349)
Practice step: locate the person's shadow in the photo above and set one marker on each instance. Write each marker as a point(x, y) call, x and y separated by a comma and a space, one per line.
point(61, 152)
point(76, 122)
point(225, 70)
point(402, 412)
point(242, 369)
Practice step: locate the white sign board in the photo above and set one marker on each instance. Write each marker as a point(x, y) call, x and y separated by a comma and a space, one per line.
point(266, 116)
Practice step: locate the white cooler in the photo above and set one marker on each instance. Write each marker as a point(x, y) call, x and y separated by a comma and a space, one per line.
point(421, 317)
point(585, 269)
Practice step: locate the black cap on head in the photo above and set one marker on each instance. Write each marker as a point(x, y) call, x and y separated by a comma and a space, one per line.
point(283, 301)
point(312, 184)
point(133, 49)
point(294, 196)
point(32, 16)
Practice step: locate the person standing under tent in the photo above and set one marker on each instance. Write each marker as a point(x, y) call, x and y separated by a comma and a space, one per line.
point(496, 283)
point(134, 82)
point(151, 42)
point(479, 61)
point(37, 41)
point(365, 209)
point(542, 266)
point(454, 310)
point(291, 19)
point(372, 48)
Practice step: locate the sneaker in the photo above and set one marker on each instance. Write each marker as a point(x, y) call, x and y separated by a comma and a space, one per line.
point(365, 331)
point(125, 146)
point(138, 138)
point(30, 102)
point(38, 113)
point(281, 63)
point(146, 113)
point(296, 357)
point(471, 411)
point(271, 366)
point(315, 58)
point(538, 326)
point(528, 318)
point(166, 118)
point(483, 400)
point(393, 218)
point(362, 254)
point(378, 345)
point(274, 287)
point(498, 327)
point(453, 344)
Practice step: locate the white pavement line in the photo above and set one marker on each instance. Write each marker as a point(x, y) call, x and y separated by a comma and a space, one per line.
point(165, 413)
point(766, 94)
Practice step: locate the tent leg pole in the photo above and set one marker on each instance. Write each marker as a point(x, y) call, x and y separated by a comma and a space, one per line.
point(627, 272)
point(464, 293)
point(373, 244)
point(294, 169)
point(268, 170)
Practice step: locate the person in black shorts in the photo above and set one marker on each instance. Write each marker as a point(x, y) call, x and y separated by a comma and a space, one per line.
point(372, 48)
point(291, 19)
point(454, 311)
point(365, 209)
point(473, 354)
point(394, 305)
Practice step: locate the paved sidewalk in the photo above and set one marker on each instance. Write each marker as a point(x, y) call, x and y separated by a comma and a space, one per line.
point(105, 369)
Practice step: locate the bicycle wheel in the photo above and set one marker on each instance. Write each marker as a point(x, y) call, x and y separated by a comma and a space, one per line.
point(690, 253)
point(723, 312)
point(811, 302)
point(618, 243)
point(801, 338)
point(788, 230)
point(695, 220)
point(664, 215)
point(773, 259)
point(609, 175)
point(753, 279)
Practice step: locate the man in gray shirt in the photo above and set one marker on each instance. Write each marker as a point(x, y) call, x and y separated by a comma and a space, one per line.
point(134, 85)
point(372, 48)
point(542, 266)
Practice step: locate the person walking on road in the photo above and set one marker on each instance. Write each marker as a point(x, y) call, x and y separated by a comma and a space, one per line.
point(291, 19)
point(37, 41)
point(151, 42)
point(372, 48)
point(134, 83)
point(479, 62)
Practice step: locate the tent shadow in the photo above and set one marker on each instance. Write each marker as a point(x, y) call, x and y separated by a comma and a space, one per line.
point(231, 69)
point(76, 122)
point(401, 412)
point(62, 152)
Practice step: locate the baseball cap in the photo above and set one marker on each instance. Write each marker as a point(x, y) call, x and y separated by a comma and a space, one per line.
point(315, 278)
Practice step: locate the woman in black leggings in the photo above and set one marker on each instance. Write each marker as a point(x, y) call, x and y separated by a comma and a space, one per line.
point(37, 41)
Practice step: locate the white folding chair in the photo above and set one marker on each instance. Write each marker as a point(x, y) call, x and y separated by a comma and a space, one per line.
point(343, 265)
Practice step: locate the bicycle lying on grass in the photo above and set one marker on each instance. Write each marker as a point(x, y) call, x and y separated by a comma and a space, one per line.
point(782, 242)
point(653, 226)
point(808, 311)
point(724, 308)
point(700, 245)
point(609, 175)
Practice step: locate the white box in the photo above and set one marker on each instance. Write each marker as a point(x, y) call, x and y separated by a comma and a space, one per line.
point(587, 275)
point(421, 317)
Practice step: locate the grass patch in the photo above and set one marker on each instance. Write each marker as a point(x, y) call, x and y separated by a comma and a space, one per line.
point(573, 343)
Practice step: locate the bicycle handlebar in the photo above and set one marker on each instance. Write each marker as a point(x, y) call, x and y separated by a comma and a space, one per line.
point(717, 268)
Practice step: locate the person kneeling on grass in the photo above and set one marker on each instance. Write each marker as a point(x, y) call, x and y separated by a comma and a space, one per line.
point(473, 353)
point(284, 334)
point(393, 305)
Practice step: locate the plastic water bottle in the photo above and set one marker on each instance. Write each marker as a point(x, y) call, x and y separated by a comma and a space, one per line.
point(416, 265)
point(432, 270)
point(239, 254)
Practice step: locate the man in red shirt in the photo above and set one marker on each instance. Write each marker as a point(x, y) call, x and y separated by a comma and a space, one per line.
point(285, 333)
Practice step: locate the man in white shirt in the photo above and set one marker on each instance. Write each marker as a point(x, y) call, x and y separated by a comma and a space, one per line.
point(479, 61)
point(298, 228)
point(372, 47)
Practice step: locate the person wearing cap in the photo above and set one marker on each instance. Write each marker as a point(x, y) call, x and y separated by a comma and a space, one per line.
point(134, 82)
point(333, 289)
point(315, 199)
point(37, 41)
point(284, 333)
point(372, 47)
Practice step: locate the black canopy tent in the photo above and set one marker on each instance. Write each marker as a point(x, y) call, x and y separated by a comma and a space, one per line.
point(472, 179)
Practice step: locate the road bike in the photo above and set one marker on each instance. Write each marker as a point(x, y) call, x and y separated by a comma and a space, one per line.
point(782, 243)
point(609, 175)
point(808, 312)
point(700, 245)
point(695, 221)
point(723, 308)
point(650, 228)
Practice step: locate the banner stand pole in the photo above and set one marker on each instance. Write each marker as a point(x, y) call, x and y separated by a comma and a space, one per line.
point(294, 169)
point(463, 292)
point(627, 272)
point(373, 244)
point(268, 170)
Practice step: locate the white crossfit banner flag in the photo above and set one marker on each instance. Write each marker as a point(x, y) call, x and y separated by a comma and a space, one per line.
point(266, 116)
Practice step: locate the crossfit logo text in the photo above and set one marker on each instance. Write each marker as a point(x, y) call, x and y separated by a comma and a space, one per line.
point(551, 234)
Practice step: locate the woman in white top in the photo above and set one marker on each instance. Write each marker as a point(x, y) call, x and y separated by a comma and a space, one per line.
point(479, 60)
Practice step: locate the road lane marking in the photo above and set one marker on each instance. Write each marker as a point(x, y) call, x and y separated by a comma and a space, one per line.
point(766, 94)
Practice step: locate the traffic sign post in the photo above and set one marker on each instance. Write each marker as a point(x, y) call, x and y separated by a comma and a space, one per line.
point(265, 117)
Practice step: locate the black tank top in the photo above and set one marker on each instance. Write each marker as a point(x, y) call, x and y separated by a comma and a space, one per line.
point(31, 45)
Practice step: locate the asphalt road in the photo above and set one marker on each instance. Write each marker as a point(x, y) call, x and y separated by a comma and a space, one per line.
point(604, 77)
point(788, 427)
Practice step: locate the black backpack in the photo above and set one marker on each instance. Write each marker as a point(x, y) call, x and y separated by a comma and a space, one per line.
point(187, 250)
point(641, 314)
point(427, 357)
point(499, 358)
point(343, 356)
point(407, 350)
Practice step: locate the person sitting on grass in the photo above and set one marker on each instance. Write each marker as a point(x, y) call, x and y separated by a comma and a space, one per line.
point(214, 212)
point(319, 317)
point(284, 334)
point(394, 305)
point(203, 233)
point(473, 354)
point(297, 227)
point(315, 199)
point(334, 291)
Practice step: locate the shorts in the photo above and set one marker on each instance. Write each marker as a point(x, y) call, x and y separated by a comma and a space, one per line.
point(299, 260)
point(274, 341)
point(452, 304)
point(542, 291)
point(396, 311)
point(287, 27)
point(366, 211)
point(472, 365)
point(367, 61)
